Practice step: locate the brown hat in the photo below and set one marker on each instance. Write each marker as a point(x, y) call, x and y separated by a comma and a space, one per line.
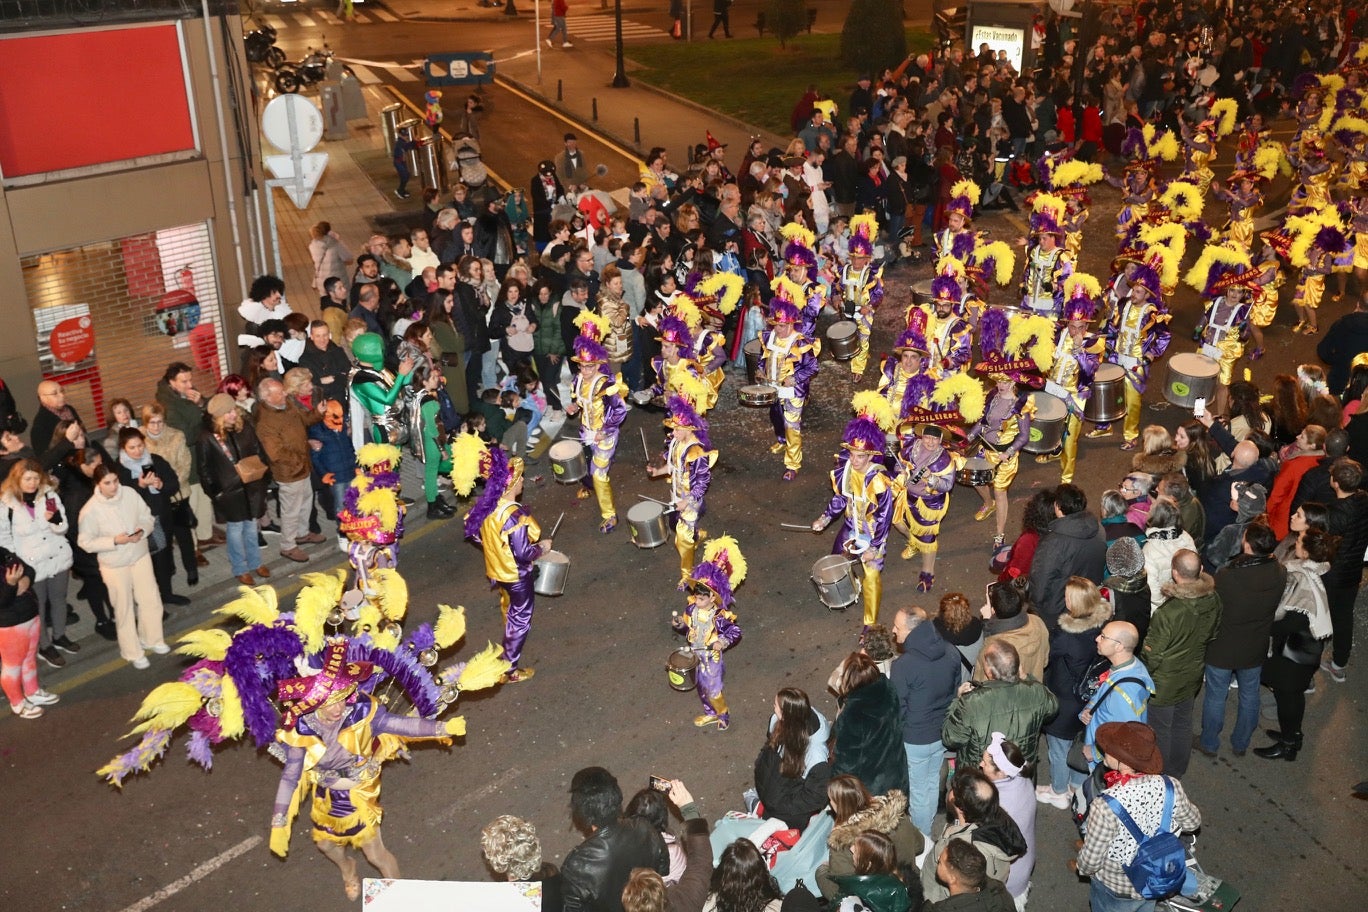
point(220, 404)
point(1133, 744)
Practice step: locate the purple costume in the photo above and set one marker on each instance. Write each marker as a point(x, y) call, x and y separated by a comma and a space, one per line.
point(710, 632)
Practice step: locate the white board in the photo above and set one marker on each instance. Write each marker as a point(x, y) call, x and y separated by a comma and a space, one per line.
point(1000, 38)
point(447, 895)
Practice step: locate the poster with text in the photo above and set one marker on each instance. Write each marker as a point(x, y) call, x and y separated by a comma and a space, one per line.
point(449, 896)
point(1000, 38)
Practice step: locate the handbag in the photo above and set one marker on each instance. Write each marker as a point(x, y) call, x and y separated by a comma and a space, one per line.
point(182, 516)
point(156, 542)
point(250, 469)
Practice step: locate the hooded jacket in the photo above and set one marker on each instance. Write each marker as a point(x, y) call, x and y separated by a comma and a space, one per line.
point(925, 677)
point(1348, 520)
point(868, 739)
point(999, 839)
point(1176, 645)
point(1227, 543)
point(1160, 546)
point(1250, 588)
point(888, 815)
point(1073, 650)
point(1074, 546)
point(1018, 709)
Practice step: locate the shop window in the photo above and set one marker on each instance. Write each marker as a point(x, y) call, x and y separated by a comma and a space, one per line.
point(108, 318)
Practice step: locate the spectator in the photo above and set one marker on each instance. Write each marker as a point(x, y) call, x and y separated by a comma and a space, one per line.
point(1073, 655)
point(330, 257)
point(1349, 521)
point(1164, 537)
point(961, 627)
point(52, 409)
point(1248, 502)
point(19, 633)
point(283, 429)
point(1035, 523)
point(233, 478)
point(1314, 486)
point(875, 883)
point(120, 417)
point(156, 483)
point(367, 309)
point(511, 847)
point(1250, 588)
point(1074, 546)
point(265, 301)
point(925, 677)
point(1307, 453)
point(1127, 584)
point(866, 738)
point(742, 881)
point(1008, 619)
point(185, 413)
point(36, 535)
point(1128, 749)
point(326, 362)
point(856, 812)
point(1245, 465)
point(1004, 766)
point(791, 771)
point(975, 817)
point(1002, 702)
point(597, 869)
point(1116, 524)
point(1123, 691)
point(1175, 654)
point(963, 870)
point(1346, 339)
point(1175, 487)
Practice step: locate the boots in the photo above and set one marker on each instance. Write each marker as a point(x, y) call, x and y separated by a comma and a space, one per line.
point(1285, 748)
point(440, 509)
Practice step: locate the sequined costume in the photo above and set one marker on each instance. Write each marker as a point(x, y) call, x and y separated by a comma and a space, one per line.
point(1004, 429)
point(1070, 380)
point(862, 291)
point(925, 475)
point(1239, 229)
point(1222, 333)
point(688, 462)
point(601, 409)
point(1137, 334)
point(788, 359)
point(709, 623)
point(509, 537)
point(672, 377)
point(709, 353)
point(864, 502)
point(1042, 286)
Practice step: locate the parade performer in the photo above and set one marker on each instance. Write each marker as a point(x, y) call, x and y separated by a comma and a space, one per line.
point(688, 461)
point(956, 239)
point(1179, 206)
point(1223, 276)
point(1310, 111)
point(1137, 334)
point(1047, 265)
point(1244, 198)
point(993, 262)
point(715, 299)
point(306, 694)
point(1318, 239)
point(372, 513)
point(863, 495)
point(903, 379)
point(862, 287)
point(949, 335)
point(926, 473)
point(1016, 350)
point(1200, 142)
point(789, 362)
point(800, 268)
point(507, 534)
point(1252, 137)
point(1070, 181)
point(1073, 365)
point(1358, 214)
point(673, 367)
point(709, 623)
point(378, 408)
point(596, 395)
point(1315, 175)
point(1274, 249)
point(1350, 132)
point(1145, 148)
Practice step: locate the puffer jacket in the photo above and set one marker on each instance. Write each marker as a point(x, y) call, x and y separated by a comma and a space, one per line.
point(1073, 650)
point(887, 814)
point(1176, 645)
point(1348, 520)
point(925, 676)
point(16, 609)
point(1160, 546)
point(41, 544)
point(794, 801)
point(1251, 588)
point(103, 518)
point(1018, 709)
point(868, 738)
point(1074, 546)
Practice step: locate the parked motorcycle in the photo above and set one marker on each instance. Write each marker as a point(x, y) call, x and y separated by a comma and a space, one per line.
point(260, 47)
point(313, 69)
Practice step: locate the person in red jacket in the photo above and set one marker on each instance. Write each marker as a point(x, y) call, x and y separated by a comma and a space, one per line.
point(1309, 451)
point(559, 9)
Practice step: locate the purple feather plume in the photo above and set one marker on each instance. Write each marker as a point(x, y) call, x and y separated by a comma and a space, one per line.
point(495, 485)
point(917, 393)
point(945, 285)
point(1331, 240)
point(149, 748)
point(716, 579)
point(258, 659)
point(197, 750)
point(993, 328)
point(403, 666)
point(1303, 82)
point(962, 246)
point(422, 638)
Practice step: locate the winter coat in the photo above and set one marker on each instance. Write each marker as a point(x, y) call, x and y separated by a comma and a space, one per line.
point(794, 801)
point(968, 642)
point(16, 609)
point(992, 898)
point(159, 501)
point(37, 542)
point(1018, 709)
point(1157, 465)
point(1160, 546)
point(925, 677)
point(868, 738)
point(1181, 628)
point(875, 892)
point(233, 501)
point(102, 518)
point(597, 869)
point(887, 814)
point(284, 434)
point(337, 455)
point(1074, 546)
point(1073, 650)
point(1347, 337)
point(1348, 520)
point(1131, 601)
point(186, 417)
point(999, 839)
point(170, 445)
point(1279, 507)
point(1022, 556)
point(1250, 589)
point(1193, 518)
point(1028, 636)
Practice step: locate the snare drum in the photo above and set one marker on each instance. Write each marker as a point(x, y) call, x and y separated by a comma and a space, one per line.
point(647, 522)
point(754, 352)
point(1047, 427)
point(836, 585)
point(553, 569)
point(977, 472)
point(1108, 399)
point(757, 395)
point(1191, 376)
point(845, 340)
point(682, 670)
point(921, 292)
point(568, 464)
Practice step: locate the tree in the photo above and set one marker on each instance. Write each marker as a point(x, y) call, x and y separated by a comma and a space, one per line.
point(873, 36)
point(785, 18)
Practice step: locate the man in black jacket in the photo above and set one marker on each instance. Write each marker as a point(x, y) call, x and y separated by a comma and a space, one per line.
point(327, 363)
point(1346, 339)
point(1348, 520)
point(1074, 546)
point(596, 870)
point(52, 410)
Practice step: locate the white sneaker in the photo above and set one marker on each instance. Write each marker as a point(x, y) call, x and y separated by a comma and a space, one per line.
point(27, 710)
point(548, 43)
point(41, 697)
point(1046, 794)
point(567, 45)
point(160, 649)
point(141, 663)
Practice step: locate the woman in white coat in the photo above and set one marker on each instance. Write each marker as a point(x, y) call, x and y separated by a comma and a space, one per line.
point(1164, 537)
point(114, 526)
point(37, 526)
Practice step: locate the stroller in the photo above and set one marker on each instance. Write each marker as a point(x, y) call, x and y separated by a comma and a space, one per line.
point(467, 163)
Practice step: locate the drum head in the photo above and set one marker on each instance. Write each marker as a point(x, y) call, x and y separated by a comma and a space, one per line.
point(831, 569)
point(1109, 373)
point(1048, 408)
point(554, 557)
point(841, 330)
point(754, 347)
point(566, 449)
point(1194, 364)
point(644, 512)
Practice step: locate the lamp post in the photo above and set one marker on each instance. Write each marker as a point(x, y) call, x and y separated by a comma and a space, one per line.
point(619, 77)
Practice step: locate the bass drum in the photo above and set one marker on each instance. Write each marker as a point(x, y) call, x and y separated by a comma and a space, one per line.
point(1047, 427)
point(1108, 399)
point(754, 351)
point(1191, 376)
point(845, 340)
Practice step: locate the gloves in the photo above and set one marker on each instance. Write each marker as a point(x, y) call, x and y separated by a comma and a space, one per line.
point(456, 726)
point(329, 478)
point(280, 840)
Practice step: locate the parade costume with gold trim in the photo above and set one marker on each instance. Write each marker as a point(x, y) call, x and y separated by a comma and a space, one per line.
point(949, 337)
point(1200, 143)
point(713, 299)
point(1319, 243)
point(675, 371)
point(926, 475)
point(712, 630)
point(1069, 180)
point(958, 243)
point(1271, 279)
point(907, 389)
point(810, 297)
point(372, 512)
point(599, 404)
point(1145, 148)
point(1074, 365)
point(689, 458)
point(1042, 283)
point(862, 287)
point(788, 364)
point(1137, 334)
point(1224, 277)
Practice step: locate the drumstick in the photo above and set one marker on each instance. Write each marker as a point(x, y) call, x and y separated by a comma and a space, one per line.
point(644, 448)
point(557, 525)
point(796, 528)
point(653, 500)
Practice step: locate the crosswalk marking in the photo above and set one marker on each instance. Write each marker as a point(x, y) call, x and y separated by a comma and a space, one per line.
point(303, 20)
point(276, 22)
point(327, 17)
point(383, 15)
point(602, 28)
point(364, 75)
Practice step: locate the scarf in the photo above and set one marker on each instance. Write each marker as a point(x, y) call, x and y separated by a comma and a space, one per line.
point(995, 625)
point(1306, 593)
point(136, 466)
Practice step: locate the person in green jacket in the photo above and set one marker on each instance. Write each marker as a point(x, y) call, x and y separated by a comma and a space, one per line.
point(448, 348)
point(1175, 654)
point(875, 881)
point(436, 455)
point(548, 342)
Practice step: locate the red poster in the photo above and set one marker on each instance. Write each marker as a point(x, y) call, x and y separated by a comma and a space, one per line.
point(72, 340)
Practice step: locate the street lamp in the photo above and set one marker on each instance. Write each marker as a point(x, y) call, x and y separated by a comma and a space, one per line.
point(619, 77)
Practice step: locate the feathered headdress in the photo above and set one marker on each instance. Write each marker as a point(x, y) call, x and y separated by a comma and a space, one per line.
point(785, 289)
point(874, 419)
point(1350, 131)
point(800, 247)
point(719, 293)
point(722, 569)
point(964, 196)
point(1070, 177)
point(1218, 267)
point(1323, 230)
point(683, 307)
point(675, 331)
point(1167, 240)
point(782, 311)
point(1081, 294)
point(1224, 112)
point(1031, 337)
point(864, 229)
point(592, 326)
point(994, 262)
point(1161, 144)
point(1047, 214)
point(377, 458)
point(913, 338)
point(683, 414)
point(500, 473)
point(947, 288)
point(1182, 199)
point(958, 396)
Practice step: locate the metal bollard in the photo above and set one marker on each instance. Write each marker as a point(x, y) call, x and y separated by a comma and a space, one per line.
point(595, 110)
point(636, 130)
point(560, 90)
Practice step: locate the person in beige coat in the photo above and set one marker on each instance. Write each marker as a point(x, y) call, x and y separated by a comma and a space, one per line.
point(114, 526)
point(170, 444)
point(1007, 619)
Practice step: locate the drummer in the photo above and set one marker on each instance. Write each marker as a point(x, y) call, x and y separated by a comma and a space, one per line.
point(903, 379)
point(1073, 365)
point(1137, 188)
point(716, 298)
point(596, 396)
point(688, 463)
point(507, 534)
point(710, 624)
point(672, 368)
point(948, 334)
point(800, 268)
point(862, 287)
point(1047, 265)
point(926, 473)
point(789, 362)
point(863, 495)
point(1006, 424)
point(1226, 279)
point(1275, 247)
point(1244, 199)
point(956, 239)
point(1137, 334)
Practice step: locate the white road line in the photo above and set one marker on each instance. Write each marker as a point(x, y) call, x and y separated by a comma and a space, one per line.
point(327, 17)
point(199, 873)
point(303, 20)
point(364, 75)
point(403, 74)
point(383, 15)
point(276, 22)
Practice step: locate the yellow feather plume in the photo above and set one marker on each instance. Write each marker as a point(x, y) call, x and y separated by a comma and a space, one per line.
point(209, 644)
point(1331, 83)
point(1148, 131)
point(736, 562)
point(391, 591)
point(360, 483)
point(312, 607)
point(383, 634)
point(1304, 229)
point(1048, 202)
point(1003, 257)
point(1211, 255)
point(966, 188)
point(381, 503)
point(450, 626)
point(1184, 200)
point(601, 326)
point(467, 451)
point(876, 406)
point(168, 706)
point(1168, 240)
point(962, 390)
point(256, 605)
point(694, 388)
point(726, 287)
point(1361, 52)
point(788, 289)
point(1032, 337)
point(1224, 111)
point(374, 454)
point(1352, 124)
point(687, 311)
point(866, 224)
point(231, 721)
point(1164, 146)
point(1081, 280)
point(1075, 173)
point(952, 266)
point(484, 669)
point(796, 232)
point(331, 583)
point(1266, 159)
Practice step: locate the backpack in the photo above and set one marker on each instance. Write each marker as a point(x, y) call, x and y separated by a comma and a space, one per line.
point(1160, 864)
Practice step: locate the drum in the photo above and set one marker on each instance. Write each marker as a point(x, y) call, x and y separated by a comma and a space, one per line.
point(757, 395)
point(647, 520)
point(836, 585)
point(568, 464)
point(682, 670)
point(976, 472)
point(921, 292)
point(553, 569)
point(1047, 427)
point(754, 352)
point(1191, 376)
point(1108, 399)
point(845, 340)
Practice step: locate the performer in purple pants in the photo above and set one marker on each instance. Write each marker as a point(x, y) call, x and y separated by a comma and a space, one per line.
point(710, 624)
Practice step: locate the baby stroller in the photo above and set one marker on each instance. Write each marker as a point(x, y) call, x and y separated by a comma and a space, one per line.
point(468, 165)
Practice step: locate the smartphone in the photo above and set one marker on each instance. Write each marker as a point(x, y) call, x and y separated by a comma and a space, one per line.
point(989, 589)
point(660, 783)
point(1199, 407)
point(147, 470)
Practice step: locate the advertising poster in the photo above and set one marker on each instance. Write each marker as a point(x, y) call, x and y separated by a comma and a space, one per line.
point(999, 38)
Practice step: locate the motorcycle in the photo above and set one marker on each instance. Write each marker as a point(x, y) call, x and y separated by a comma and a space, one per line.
point(313, 69)
point(260, 47)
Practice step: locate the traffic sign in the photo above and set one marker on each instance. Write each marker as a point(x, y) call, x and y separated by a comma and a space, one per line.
point(298, 185)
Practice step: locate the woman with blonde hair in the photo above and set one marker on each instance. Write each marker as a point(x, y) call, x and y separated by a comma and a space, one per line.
point(1158, 455)
point(170, 444)
point(1073, 652)
point(38, 526)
